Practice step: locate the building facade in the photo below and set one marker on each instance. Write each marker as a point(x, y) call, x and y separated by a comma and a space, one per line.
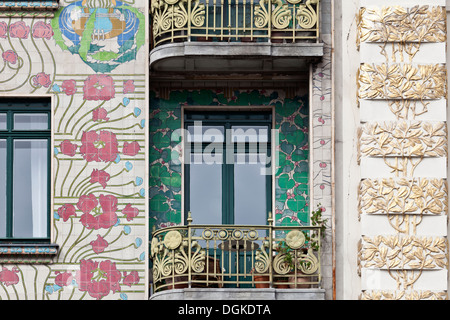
point(176, 149)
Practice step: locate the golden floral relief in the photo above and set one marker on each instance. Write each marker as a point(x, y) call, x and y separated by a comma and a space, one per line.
point(399, 24)
point(403, 295)
point(403, 144)
point(400, 252)
point(404, 139)
point(402, 81)
point(403, 196)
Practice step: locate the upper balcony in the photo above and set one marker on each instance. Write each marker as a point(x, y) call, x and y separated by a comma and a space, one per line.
point(234, 35)
point(237, 262)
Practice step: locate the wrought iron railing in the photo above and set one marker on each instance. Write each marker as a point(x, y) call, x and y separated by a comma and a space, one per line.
point(234, 20)
point(210, 256)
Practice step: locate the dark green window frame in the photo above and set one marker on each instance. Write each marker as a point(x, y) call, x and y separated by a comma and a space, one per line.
point(228, 119)
point(13, 107)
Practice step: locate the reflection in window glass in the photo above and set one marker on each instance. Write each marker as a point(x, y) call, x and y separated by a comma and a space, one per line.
point(2, 188)
point(249, 192)
point(2, 121)
point(30, 188)
point(205, 192)
point(30, 121)
point(249, 134)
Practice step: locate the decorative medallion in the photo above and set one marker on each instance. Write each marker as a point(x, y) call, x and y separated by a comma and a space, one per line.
point(173, 239)
point(295, 239)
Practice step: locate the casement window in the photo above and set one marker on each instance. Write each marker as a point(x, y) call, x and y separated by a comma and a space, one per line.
point(25, 170)
point(228, 167)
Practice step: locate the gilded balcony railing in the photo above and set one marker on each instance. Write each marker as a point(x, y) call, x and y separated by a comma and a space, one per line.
point(234, 20)
point(207, 256)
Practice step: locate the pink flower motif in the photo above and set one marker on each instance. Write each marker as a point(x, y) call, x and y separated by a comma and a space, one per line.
point(98, 279)
point(128, 86)
point(130, 279)
point(3, 30)
point(99, 244)
point(100, 176)
point(63, 279)
point(130, 212)
point(106, 219)
point(9, 277)
point(68, 148)
point(100, 114)
point(322, 186)
point(131, 149)
point(10, 56)
point(99, 87)
point(19, 30)
point(42, 79)
point(66, 211)
point(42, 30)
point(99, 147)
point(69, 87)
point(323, 165)
point(86, 203)
point(290, 195)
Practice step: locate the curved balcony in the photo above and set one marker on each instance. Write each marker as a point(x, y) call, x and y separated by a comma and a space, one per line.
point(217, 259)
point(283, 31)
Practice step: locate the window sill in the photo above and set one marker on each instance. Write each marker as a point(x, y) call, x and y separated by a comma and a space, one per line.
point(26, 253)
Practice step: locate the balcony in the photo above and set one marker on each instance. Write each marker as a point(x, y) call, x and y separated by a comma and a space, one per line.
point(216, 35)
point(236, 262)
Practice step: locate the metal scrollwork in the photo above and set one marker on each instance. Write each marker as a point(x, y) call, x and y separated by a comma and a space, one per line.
point(306, 15)
point(281, 15)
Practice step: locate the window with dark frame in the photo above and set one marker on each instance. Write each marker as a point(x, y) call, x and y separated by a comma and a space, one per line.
point(228, 167)
point(25, 146)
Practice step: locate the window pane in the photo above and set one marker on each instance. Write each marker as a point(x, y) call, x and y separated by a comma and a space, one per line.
point(30, 121)
point(30, 189)
point(205, 187)
point(200, 133)
point(249, 134)
point(250, 190)
point(2, 188)
point(2, 121)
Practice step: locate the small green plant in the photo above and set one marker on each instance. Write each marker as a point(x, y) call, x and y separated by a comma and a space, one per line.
point(311, 239)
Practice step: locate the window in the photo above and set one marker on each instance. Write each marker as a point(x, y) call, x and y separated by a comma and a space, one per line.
point(24, 170)
point(228, 167)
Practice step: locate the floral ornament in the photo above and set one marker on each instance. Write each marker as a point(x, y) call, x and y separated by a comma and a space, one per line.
point(3, 30)
point(63, 279)
point(100, 176)
point(98, 278)
point(99, 87)
point(98, 147)
point(10, 56)
point(105, 217)
point(87, 202)
point(69, 87)
point(172, 240)
point(131, 149)
point(66, 210)
point(295, 239)
point(9, 277)
point(42, 79)
point(68, 148)
point(130, 212)
point(100, 114)
point(42, 30)
point(128, 86)
point(99, 244)
point(19, 30)
point(130, 279)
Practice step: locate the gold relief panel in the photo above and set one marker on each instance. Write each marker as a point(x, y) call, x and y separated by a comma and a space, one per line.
point(403, 25)
point(402, 81)
point(403, 295)
point(403, 196)
point(403, 139)
point(402, 252)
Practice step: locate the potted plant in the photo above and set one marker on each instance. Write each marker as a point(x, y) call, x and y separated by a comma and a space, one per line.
point(298, 248)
